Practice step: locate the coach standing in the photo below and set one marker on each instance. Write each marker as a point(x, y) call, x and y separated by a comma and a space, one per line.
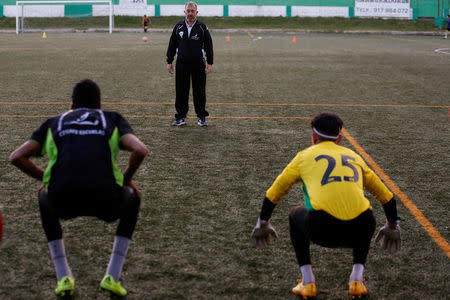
point(190, 41)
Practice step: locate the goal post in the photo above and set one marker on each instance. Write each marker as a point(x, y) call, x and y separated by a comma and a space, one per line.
point(20, 9)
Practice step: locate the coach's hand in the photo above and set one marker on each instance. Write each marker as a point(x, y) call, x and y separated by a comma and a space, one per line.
point(208, 69)
point(170, 68)
point(391, 238)
point(263, 234)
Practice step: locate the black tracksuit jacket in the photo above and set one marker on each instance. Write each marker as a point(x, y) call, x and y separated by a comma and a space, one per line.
point(190, 48)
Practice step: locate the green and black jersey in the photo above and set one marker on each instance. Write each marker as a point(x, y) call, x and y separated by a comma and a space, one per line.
point(82, 146)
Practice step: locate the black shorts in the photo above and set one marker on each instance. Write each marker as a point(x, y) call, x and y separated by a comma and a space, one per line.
point(328, 231)
point(105, 204)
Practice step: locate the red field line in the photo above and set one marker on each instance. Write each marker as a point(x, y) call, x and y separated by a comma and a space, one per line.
point(233, 104)
point(168, 117)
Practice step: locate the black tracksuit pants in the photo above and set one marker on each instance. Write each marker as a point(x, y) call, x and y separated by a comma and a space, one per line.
point(184, 71)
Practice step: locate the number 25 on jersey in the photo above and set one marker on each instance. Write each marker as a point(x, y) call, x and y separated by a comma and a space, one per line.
point(332, 165)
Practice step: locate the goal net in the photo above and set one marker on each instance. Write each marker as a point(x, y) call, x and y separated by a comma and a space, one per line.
point(26, 11)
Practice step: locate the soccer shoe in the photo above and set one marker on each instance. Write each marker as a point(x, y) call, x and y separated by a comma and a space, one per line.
point(305, 291)
point(357, 289)
point(179, 122)
point(66, 287)
point(202, 122)
point(110, 287)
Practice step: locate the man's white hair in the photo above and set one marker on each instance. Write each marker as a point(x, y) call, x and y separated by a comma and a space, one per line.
point(190, 3)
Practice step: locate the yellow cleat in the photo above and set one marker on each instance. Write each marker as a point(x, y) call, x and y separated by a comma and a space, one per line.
point(357, 289)
point(110, 287)
point(66, 287)
point(305, 291)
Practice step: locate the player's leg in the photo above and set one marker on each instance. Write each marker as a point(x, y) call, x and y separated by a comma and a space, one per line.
point(199, 92)
point(53, 232)
point(306, 286)
point(129, 209)
point(363, 228)
point(182, 85)
point(1, 226)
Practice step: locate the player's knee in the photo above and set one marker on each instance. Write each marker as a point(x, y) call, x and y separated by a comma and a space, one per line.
point(44, 203)
point(131, 200)
point(297, 216)
point(297, 211)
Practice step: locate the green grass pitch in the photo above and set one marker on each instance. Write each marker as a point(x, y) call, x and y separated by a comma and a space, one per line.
point(203, 187)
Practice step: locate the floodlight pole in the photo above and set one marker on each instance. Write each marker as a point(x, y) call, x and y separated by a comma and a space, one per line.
point(21, 18)
point(111, 14)
point(17, 18)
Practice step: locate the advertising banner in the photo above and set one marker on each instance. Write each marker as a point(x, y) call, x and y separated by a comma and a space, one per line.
point(383, 8)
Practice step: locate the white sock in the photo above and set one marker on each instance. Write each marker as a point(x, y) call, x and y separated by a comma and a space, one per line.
point(307, 274)
point(357, 273)
point(58, 253)
point(118, 254)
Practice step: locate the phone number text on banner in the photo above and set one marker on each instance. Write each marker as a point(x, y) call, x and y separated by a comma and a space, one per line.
point(383, 8)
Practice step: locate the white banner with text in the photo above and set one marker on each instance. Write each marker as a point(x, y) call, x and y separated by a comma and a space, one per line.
point(383, 8)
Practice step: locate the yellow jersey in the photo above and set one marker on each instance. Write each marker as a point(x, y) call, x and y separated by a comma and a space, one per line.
point(333, 179)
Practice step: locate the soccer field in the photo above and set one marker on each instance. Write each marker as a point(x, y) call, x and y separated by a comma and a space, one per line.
point(203, 187)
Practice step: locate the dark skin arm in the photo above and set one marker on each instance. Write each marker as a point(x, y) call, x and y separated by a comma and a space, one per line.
point(21, 158)
point(138, 152)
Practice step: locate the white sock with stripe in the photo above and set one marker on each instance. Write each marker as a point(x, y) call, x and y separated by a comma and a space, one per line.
point(307, 274)
point(118, 255)
point(357, 273)
point(58, 253)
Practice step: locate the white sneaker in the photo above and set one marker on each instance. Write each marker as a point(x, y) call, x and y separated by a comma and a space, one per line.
point(202, 122)
point(179, 122)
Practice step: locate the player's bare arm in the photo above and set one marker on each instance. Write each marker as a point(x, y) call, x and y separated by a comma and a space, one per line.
point(138, 152)
point(21, 158)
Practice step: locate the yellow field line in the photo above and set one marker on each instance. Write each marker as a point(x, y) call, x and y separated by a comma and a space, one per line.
point(435, 235)
point(235, 104)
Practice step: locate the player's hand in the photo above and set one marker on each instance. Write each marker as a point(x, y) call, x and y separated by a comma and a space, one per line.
point(391, 238)
point(41, 188)
point(135, 188)
point(1, 226)
point(208, 69)
point(263, 234)
point(170, 68)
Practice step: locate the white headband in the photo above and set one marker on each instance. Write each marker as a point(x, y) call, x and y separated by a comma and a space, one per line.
point(324, 135)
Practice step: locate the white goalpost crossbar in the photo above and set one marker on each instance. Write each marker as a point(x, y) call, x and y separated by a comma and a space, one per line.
point(22, 3)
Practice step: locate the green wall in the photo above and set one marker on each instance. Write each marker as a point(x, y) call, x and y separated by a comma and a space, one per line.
point(431, 8)
point(77, 10)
